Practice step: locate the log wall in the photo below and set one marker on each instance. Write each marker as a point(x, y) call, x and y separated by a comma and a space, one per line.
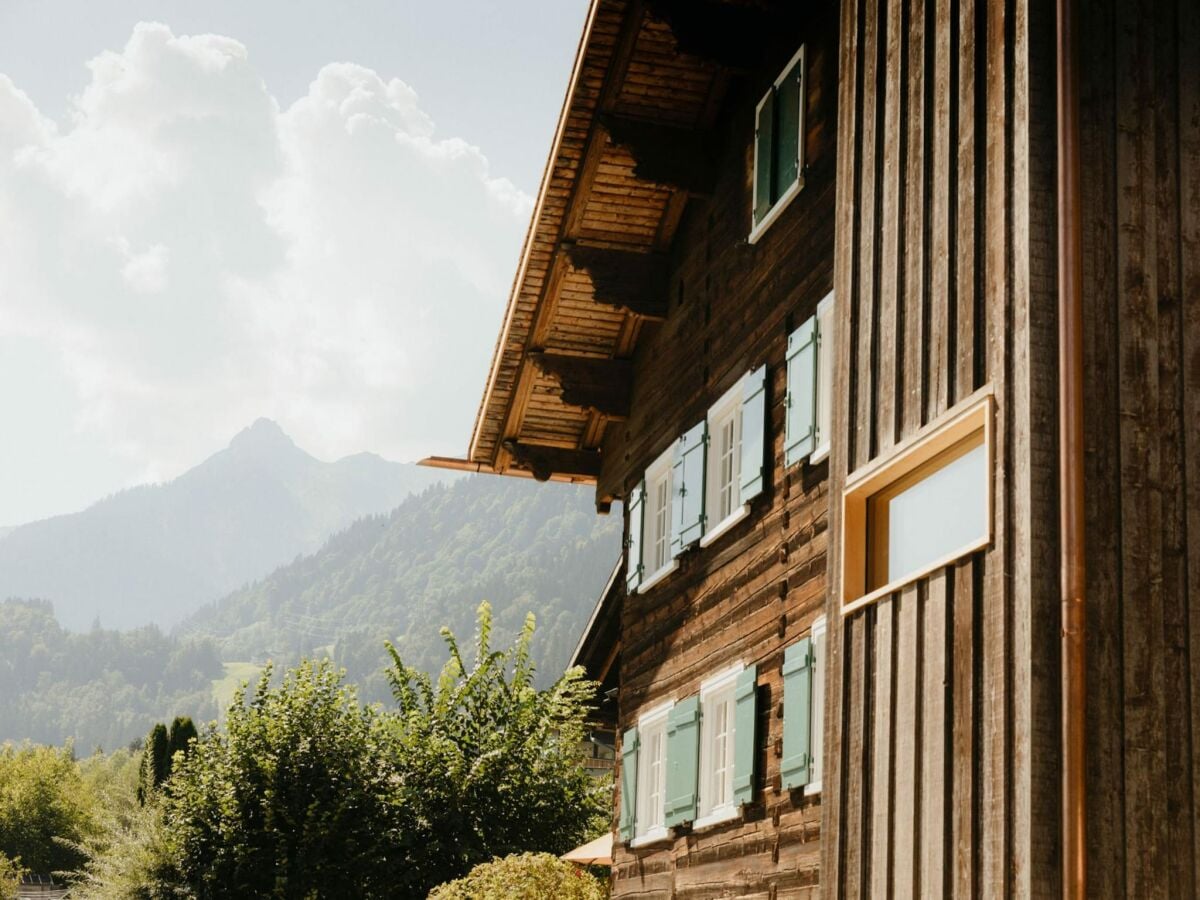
point(759, 587)
point(943, 721)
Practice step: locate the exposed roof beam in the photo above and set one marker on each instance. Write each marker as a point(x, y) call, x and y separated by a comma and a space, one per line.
point(728, 35)
point(602, 385)
point(454, 464)
point(624, 278)
point(546, 462)
point(666, 155)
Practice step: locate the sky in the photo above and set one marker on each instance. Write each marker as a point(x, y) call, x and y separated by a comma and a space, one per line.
point(212, 212)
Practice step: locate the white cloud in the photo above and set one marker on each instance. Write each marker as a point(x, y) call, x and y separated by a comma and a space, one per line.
point(198, 257)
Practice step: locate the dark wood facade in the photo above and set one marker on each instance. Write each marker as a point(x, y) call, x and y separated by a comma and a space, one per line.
point(943, 723)
point(929, 209)
point(1141, 158)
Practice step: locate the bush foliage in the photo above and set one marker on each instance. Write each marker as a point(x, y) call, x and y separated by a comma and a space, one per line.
point(523, 876)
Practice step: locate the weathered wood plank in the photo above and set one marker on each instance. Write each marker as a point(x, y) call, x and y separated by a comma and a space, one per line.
point(1141, 503)
point(887, 244)
point(906, 725)
point(996, 745)
point(883, 756)
point(935, 783)
point(866, 263)
point(1188, 61)
point(964, 826)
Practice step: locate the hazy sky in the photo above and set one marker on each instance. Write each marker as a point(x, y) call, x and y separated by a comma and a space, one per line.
point(214, 211)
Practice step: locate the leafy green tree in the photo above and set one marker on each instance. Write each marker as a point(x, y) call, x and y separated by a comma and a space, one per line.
point(132, 859)
point(295, 800)
point(44, 808)
point(523, 876)
point(10, 877)
point(490, 765)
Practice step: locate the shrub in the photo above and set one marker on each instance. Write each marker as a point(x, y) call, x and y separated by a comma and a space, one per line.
point(524, 876)
point(10, 877)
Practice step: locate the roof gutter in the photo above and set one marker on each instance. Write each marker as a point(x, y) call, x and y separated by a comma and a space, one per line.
point(1071, 463)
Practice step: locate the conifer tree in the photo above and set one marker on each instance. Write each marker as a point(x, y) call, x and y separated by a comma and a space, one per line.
point(156, 762)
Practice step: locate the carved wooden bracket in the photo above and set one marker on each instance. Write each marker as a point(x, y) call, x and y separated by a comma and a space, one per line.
point(624, 278)
point(545, 461)
point(667, 155)
point(603, 385)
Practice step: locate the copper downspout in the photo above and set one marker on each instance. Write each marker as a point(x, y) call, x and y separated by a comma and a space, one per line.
point(1070, 368)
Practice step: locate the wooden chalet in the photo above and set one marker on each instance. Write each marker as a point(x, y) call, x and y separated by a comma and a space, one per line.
point(881, 319)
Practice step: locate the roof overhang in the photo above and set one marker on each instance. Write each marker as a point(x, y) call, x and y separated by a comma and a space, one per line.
point(632, 144)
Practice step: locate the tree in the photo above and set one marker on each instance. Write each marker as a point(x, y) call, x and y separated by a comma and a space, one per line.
point(488, 764)
point(10, 877)
point(156, 761)
point(524, 876)
point(294, 800)
point(45, 808)
point(183, 732)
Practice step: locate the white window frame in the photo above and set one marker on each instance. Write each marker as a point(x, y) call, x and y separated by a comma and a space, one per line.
point(824, 398)
point(656, 517)
point(651, 724)
point(759, 229)
point(816, 709)
point(728, 408)
point(719, 688)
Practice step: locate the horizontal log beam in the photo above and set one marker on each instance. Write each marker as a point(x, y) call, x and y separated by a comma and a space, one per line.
point(604, 386)
point(547, 462)
point(666, 155)
point(624, 278)
point(728, 35)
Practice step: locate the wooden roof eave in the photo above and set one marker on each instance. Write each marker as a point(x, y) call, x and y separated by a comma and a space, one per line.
point(496, 464)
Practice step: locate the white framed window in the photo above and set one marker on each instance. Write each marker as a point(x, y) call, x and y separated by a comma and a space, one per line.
point(659, 561)
point(817, 714)
point(921, 507)
point(824, 390)
point(778, 146)
point(723, 491)
point(717, 748)
point(652, 775)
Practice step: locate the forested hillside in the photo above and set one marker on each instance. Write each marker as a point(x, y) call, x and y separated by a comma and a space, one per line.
point(99, 688)
point(523, 546)
point(156, 553)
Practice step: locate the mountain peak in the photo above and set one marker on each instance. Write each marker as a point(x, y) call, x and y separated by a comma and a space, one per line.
point(263, 435)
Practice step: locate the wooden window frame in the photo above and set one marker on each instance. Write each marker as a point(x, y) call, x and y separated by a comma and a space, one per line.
point(757, 229)
point(654, 720)
point(974, 415)
point(823, 400)
point(816, 707)
point(721, 685)
point(661, 467)
point(730, 405)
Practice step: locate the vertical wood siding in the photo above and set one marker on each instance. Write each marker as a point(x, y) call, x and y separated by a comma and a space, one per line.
point(1141, 178)
point(942, 718)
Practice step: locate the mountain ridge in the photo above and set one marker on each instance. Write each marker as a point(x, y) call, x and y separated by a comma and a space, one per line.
point(154, 553)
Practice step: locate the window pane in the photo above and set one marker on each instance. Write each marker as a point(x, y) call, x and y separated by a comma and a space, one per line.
point(787, 138)
point(939, 510)
point(764, 148)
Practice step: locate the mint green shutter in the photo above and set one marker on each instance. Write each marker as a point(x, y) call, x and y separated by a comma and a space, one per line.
point(797, 705)
point(764, 142)
point(788, 99)
point(687, 505)
point(683, 761)
point(754, 431)
point(744, 721)
point(629, 755)
point(801, 425)
point(634, 566)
